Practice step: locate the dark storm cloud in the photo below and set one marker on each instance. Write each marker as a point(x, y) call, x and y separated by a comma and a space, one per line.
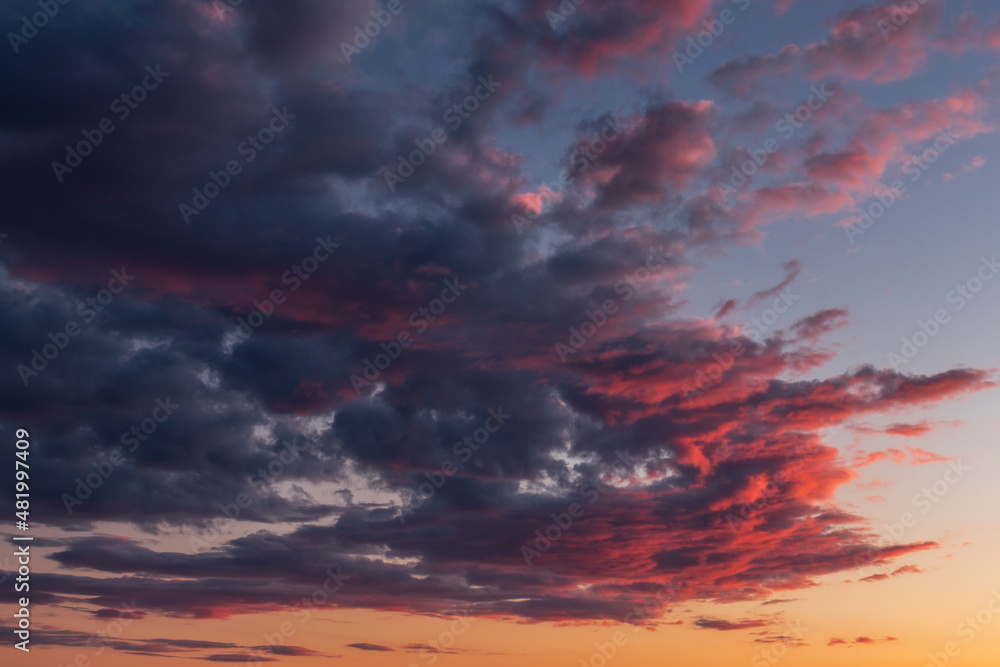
point(658, 477)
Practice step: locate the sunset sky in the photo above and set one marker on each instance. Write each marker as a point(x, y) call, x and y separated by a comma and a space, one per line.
point(512, 332)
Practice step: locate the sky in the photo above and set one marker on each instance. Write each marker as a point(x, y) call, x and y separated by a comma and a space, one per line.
point(411, 333)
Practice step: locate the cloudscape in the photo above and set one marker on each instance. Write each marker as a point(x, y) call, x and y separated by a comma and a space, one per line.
point(538, 332)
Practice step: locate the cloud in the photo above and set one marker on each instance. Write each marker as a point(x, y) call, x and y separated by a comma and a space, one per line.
point(727, 307)
point(287, 650)
point(837, 641)
point(856, 48)
point(117, 613)
point(785, 640)
point(792, 270)
point(719, 624)
point(781, 7)
point(364, 646)
point(422, 648)
point(164, 647)
point(666, 481)
point(912, 455)
point(708, 495)
point(656, 154)
point(821, 323)
point(599, 32)
point(909, 430)
point(977, 162)
point(237, 657)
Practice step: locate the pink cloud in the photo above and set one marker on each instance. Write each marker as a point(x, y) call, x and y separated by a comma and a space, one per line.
point(859, 46)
